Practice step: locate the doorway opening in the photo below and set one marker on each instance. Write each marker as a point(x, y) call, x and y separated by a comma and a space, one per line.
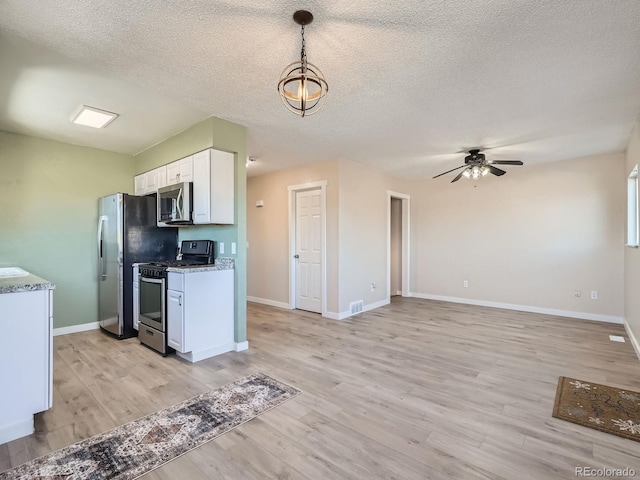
point(307, 247)
point(398, 216)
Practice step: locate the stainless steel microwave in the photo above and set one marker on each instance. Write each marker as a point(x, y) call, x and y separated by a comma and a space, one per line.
point(175, 204)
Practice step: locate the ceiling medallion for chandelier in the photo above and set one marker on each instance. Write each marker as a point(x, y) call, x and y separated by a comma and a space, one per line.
point(302, 85)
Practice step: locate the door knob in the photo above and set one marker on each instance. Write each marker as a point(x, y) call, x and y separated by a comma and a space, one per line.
point(296, 256)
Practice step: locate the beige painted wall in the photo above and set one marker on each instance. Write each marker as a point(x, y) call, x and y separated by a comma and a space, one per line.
point(268, 231)
point(530, 238)
point(632, 255)
point(363, 232)
point(396, 246)
point(48, 214)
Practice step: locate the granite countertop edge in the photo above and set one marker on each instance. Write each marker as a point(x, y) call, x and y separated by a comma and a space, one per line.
point(25, 283)
point(223, 263)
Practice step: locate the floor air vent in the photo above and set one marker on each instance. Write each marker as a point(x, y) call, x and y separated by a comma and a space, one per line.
point(356, 307)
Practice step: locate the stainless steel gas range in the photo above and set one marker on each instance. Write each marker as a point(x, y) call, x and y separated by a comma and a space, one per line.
point(153, 291)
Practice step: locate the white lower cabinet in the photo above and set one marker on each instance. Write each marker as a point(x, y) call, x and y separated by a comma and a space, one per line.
point(175, 326)
point(136, 298)
point(26, 375)
point(200, 313)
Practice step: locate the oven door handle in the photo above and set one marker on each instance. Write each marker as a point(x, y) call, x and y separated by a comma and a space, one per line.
point(152, 280)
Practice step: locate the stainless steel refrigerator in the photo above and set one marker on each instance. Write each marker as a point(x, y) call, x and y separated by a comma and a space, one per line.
point(127, 234)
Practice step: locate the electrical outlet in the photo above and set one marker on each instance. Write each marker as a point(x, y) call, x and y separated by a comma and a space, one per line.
point(594, 294)
point(465, 283)
point(373, 286)
point(577, 294)
point(221, 247)
point(233, 248)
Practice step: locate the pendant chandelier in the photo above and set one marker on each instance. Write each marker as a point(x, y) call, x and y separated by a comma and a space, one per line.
point(302, 85)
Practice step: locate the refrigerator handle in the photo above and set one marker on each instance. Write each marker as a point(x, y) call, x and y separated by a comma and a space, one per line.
point(101, 262)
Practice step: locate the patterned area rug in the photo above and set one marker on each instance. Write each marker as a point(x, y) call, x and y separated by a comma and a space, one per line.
point(597, 406)
point(133, 449)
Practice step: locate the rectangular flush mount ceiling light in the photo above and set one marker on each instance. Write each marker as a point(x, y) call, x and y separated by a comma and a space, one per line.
point(94, 117)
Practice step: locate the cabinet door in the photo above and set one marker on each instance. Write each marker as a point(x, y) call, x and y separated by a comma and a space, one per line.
point(180, 171)
point(186, 169)
point(202, 187)
point(50, 337)
point(161, 177)
point(222, 187)
point(152, 181)
point(25, 375)
point(140, 185)
point(136, 305)
point(173, 172)
point(175, 320)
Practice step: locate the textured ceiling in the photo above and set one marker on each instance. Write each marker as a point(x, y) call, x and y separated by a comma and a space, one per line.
point(410, 83)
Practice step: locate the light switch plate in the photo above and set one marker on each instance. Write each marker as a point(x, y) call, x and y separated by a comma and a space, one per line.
point(221, 248)
point(233, 248)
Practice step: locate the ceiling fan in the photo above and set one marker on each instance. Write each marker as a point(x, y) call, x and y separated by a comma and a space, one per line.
point(477, 166)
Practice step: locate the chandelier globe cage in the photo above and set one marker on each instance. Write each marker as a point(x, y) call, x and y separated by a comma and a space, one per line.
point(302, 85)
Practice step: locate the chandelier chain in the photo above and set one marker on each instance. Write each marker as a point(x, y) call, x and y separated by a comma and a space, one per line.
point(303, 51)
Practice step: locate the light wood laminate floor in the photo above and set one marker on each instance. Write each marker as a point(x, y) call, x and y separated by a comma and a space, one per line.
point(415, 390)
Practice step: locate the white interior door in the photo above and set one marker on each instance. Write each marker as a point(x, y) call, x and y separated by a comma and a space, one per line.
point(308, 250)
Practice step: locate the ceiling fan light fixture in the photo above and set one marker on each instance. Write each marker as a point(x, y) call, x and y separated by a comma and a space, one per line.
point(466, 173)
point(302, 85)
point(485, 171)
point(476, 172)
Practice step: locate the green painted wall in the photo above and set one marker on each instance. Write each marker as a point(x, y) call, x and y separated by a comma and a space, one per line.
point(48, 212)
point(222, 135)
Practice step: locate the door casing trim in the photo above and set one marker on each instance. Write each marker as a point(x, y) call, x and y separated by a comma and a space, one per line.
point(292, 190)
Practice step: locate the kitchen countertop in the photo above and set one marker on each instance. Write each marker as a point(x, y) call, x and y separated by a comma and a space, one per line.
point(25, 283)
point(221, 263)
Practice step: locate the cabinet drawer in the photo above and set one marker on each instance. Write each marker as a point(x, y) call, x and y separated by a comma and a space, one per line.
point(175, 281)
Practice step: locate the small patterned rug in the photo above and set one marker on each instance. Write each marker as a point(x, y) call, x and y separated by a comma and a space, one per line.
point(604, 408)
point(133, 449)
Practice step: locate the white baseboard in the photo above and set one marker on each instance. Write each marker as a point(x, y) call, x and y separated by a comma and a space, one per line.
point(365, 308)
point(271, 303)
point(76, 328)
point(241, 346)
point(632, 339)
point(522, 308)
point(208, 353)
point(16, 430)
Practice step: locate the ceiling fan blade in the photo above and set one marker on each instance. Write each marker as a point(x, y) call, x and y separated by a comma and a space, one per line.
point(449, 171)
point(496, 171)
point(506, 162)
point(458, 176)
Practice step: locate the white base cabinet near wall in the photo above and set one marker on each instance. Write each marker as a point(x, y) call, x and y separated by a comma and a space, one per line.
point(200, 312)
point(136, 298)
point(26, 356)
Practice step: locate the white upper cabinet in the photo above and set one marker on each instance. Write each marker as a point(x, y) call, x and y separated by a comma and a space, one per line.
point(140, 185)
point(161, 177)
point(213, 175)
point(150, 182)
point(213, 187)
point(180, 171)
